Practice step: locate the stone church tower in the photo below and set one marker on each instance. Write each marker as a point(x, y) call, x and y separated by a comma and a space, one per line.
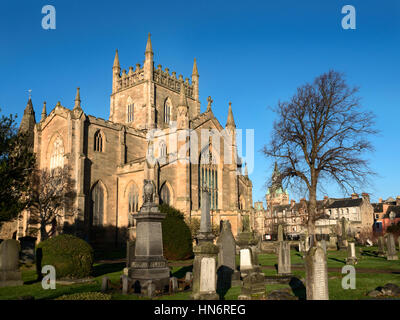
point(155, 131)
point(276, 195)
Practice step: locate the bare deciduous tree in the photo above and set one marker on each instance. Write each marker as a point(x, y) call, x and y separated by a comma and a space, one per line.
point(322, 133)
point(51, 200)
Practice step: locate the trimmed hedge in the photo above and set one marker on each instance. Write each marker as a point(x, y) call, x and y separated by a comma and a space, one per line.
point(85, 296)
point(71, 256)
point(177, 239)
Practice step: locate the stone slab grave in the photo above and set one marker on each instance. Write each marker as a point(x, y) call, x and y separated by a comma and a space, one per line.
point(316, 274)
point(227, 273)
point(332, 244)
point(9, 264)
point(381, 246)
point(205, 257)
point(391, 247)
point(284, 262)
point(351, 254)
point(27, 254)
point(253, 287)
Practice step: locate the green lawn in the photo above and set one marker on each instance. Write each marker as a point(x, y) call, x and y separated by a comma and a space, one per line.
point(370, 276)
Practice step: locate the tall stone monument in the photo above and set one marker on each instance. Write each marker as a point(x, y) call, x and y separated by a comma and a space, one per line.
point(9, 264)
point(148, 266)
point(391, 247)
point(351, 254)
point(226, 270)
point(316, 274)
point(205, 257)
point(280, 233)
point(284, 263)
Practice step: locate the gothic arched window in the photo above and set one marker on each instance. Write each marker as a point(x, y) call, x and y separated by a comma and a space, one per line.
point(165, 195)
point(57, 155)
point(98, 205)
point(208, 177)
point(130, 112)
point(98, 141)
point(167, 112)
point(133, 199)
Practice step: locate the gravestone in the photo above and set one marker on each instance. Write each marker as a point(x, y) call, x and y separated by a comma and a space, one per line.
point(27, 254)
point(280, 233)
point(391, 247)
point(149, 264)
point(344, 233)
point(173, 284)
point(205, 257)
point(316, 274)
point(9, 264)
point(332, 245)
point(381, 246)
point(351, 254)
point(284, 263)
point(104, 284)
point(253, 287)
point(226, 270)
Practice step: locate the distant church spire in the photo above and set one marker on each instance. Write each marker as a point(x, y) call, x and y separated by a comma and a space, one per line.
point(77, 99)
point(230, 122)
point(44, 112)
point(28, 122)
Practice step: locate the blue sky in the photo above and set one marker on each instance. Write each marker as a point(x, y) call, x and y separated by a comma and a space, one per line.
point(251, 53)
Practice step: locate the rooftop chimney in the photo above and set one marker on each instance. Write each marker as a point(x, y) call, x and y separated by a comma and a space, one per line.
point(354, 196)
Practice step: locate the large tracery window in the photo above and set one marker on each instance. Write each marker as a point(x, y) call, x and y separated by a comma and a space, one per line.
point(167, 112)
point(165, 195)
point(133, 199)
point(208, 178)
point(98, 141)
point(57, 155)
point(98, 205)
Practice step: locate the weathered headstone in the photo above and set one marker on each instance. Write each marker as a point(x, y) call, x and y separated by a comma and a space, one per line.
point(125, 284)
point(104, 284)
point(316, 274)
point(205, 259)
point(344, 233)
point(226, 270)
point(253, 287)
point(381, 246)
point(332, 245)
point(173, 284)
point(351, 254)
point(27, 254)
point(149, 264)
point(9, 264)
point(391, 247)
point(284, 263)
point(280, 232)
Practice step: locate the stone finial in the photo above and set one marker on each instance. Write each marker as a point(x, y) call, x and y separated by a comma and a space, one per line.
point(230, 122)
point(195, 72)
point(149, 47)
point(77, 99)
point(210, 101)
point(116, 60)
point(44, 112)
point(182, 96)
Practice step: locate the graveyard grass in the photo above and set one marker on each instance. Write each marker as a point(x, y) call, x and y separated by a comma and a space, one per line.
point(372, 271)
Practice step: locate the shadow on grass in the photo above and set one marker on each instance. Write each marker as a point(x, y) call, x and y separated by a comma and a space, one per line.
point(182, 271)
point(105, 268)
point(298, 288)
point(338, 260)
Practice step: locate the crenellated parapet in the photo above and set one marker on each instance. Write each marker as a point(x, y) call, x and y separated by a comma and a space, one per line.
point(171, 81)
point(129, 79)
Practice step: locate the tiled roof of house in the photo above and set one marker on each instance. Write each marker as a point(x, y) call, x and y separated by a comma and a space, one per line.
point(395, 209)
point(378, 207)
point(343, 203)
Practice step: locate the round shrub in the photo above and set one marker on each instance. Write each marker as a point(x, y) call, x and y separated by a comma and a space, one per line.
point(85, 296)
point(72, 257)
point(177, 239)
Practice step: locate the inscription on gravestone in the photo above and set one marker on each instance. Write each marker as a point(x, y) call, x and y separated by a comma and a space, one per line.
point(207, 275)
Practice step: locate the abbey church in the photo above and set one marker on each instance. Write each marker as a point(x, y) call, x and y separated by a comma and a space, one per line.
point(154, 114)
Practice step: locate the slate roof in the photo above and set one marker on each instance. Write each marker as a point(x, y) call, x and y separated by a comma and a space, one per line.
point(344, 203)
point(378, 207)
